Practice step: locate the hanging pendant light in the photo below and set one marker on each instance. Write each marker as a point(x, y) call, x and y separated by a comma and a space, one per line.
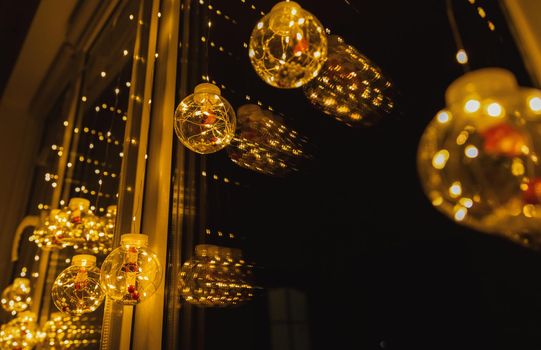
point(478, 158)
point(204, 121)
point(288, 46)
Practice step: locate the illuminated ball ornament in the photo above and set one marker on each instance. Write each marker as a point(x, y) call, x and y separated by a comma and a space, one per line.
point(81, 223)
point(288, 46)
point(52, 224)
point(21, 333)
point(131, 273)
point(350, 87)
point(16, 297)
point(478, 158)
point(204, 121)
point(77, 289)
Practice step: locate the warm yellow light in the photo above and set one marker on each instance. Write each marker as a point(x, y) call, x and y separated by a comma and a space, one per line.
point(467, 202)
point(517, 168)
point(472, 106)
point(455, 190)
point(471, 151)
point(481, 12)
point(460, 214)
point(125, 52)
point(443, 117)
point(535, 104)
point(462, 56)
point(494, 110)
point(103, 74)
point(440, 159)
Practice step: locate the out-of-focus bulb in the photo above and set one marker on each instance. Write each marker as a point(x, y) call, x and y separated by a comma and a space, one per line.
point(288, 46)
point(77, 289)
point(21, 333)
point(204, 121)
point(16, 297)
point(478, 159)
point(131, 273)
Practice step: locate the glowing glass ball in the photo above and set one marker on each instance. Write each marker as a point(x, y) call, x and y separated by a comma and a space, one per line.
point(478, 158)
point(350, 87)
point(263, 143)
point(288, 46)
point(215, 277)
point(77, 289)
point(204, 121)
point(16, 297)
point(81, 223)
point(52, 225)
point(131, 273)
point(21, 333)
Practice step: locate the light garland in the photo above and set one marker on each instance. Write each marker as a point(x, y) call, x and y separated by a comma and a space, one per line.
point(16, 297)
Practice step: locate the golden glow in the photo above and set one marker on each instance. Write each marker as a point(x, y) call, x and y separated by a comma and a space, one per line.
point(440, 159)
point(460, 214)
point(462, 56)
point(443, 117)
point(205, 121)
point(535, 104)
point(472, 106)
point(288, 46)
point(517, 168)
point(466, 202)
point(494, 110)
point(471, 151)
point(455, 190)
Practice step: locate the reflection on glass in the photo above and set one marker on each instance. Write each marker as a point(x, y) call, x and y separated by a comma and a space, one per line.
point(264, 143)
point(216, 277)
point(68, 332)
point(350, 87)
point(478, 158)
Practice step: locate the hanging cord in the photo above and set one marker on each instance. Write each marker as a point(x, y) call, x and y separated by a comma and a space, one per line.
point(456, 34)
point(207, 53)
point(108, 143)
point(353, 7)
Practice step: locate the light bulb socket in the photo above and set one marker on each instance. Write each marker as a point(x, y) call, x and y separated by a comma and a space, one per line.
point(54, 213)
point(19, 281)
point(207, 88)
point(79, 203)
point(134, 239)
point(83, 260)
point(285, 5)
point(480, 84)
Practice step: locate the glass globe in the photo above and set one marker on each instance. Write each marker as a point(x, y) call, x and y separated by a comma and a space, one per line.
point(131, 273)
point(205, 121)
point(265, 144)
point(16, 297)
point(478, 161)
point(215, 277)
point(350, 87)
point(51, 226)
point(288, 46)
point(100, 231)
point(77, 289)
point(21, 333)
point(81, 224)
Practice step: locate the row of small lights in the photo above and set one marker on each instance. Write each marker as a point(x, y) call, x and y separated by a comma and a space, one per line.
point(219, 233)
point(217, 178)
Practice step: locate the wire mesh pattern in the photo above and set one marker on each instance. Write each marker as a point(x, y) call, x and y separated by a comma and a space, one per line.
point(288, 46)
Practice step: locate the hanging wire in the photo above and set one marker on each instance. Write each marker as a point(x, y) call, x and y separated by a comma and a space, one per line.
point(462, 57)
point(207, 53)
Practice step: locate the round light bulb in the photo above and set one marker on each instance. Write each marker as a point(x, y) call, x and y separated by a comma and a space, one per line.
point(17, 296)
point(204, 121)
point(288, 46)
point(77, 289)
point(482, 170)
point(131, 273)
